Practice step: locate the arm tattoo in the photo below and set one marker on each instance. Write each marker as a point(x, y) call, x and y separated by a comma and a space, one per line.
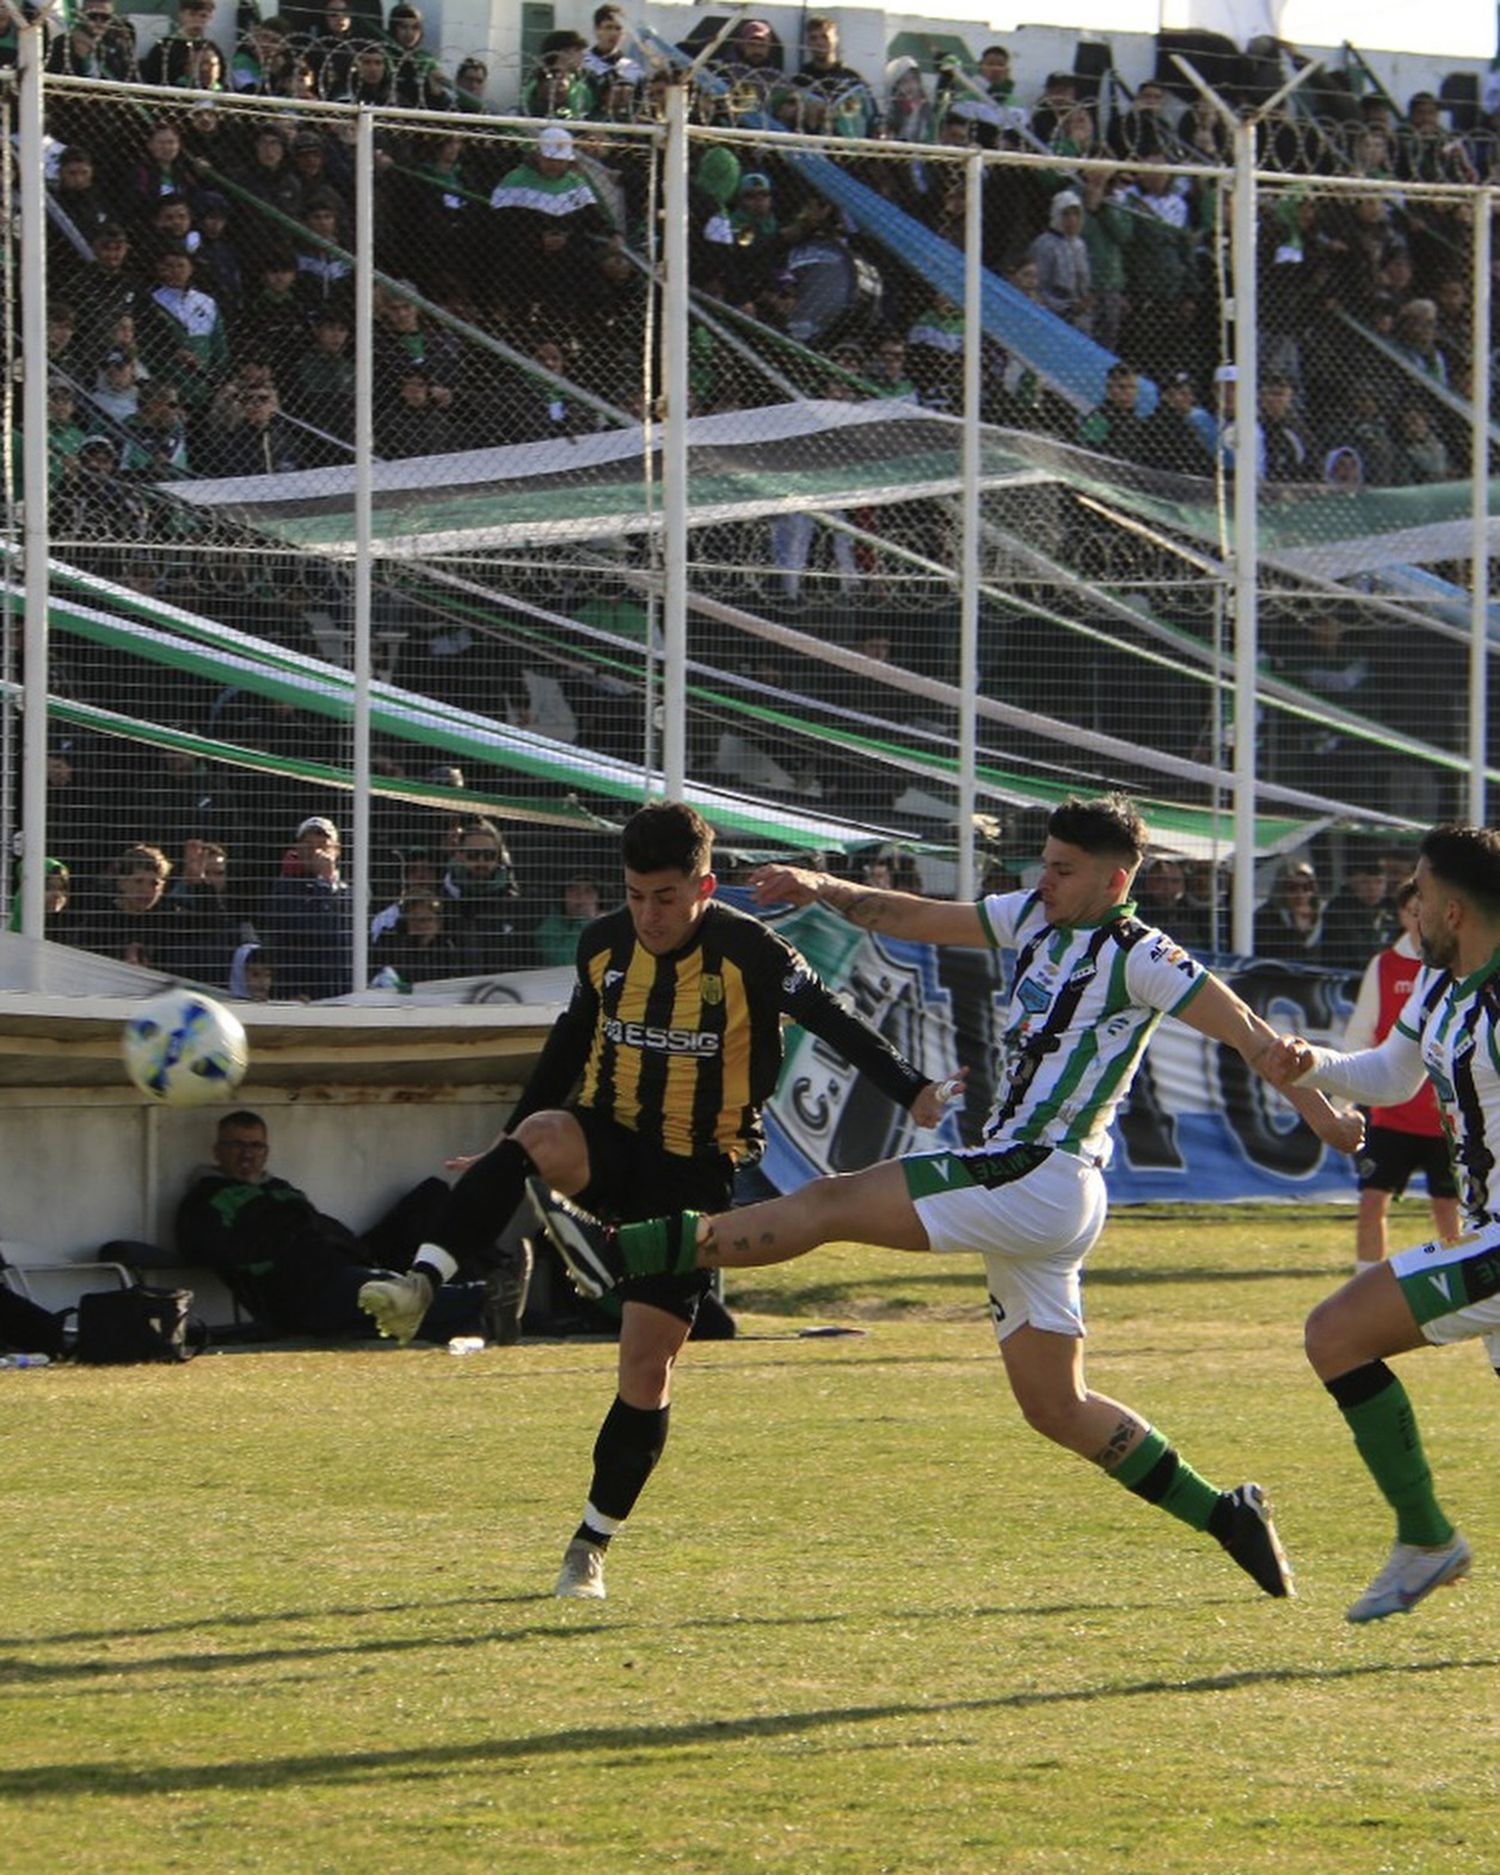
point(859, 904)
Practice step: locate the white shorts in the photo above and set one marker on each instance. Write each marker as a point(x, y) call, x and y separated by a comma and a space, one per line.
point(1453, 1289)
point(1032, 1214)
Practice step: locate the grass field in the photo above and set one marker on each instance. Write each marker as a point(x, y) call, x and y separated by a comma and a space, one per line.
point(290, 1611)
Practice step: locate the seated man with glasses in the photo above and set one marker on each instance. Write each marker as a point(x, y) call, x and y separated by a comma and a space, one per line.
point(293, 1268)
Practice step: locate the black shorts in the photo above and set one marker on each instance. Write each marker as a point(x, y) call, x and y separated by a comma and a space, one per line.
point(630, 1180)
point(1388, 1158)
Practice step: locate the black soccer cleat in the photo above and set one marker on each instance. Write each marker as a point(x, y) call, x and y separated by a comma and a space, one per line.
point(1252, 1541)
point(590, 1250)
point(505, 1292)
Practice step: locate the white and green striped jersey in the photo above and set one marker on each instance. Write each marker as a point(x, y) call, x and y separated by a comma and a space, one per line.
point(1083, 1002)
point(1449, 1030)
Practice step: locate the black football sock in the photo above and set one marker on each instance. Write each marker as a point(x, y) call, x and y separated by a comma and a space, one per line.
point(630, 1442)
point(482, 1203)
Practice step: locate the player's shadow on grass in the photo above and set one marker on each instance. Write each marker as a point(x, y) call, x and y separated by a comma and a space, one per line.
point(18, 1674)
point(200, 1624)
point(103, 1778)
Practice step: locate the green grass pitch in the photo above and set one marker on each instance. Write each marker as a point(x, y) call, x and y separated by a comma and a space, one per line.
point(291, 1612)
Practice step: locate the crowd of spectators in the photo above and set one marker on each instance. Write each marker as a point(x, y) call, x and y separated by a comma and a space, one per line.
point(185, 242)
point(200, 324)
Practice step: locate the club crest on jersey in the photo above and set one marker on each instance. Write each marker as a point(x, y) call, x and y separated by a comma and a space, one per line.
point(711, 989)
point(1033, 997)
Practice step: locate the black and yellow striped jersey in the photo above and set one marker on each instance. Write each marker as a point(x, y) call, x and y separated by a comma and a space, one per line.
point(684, 1049)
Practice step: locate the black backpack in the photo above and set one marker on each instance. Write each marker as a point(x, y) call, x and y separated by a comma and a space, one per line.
point(117, 1327)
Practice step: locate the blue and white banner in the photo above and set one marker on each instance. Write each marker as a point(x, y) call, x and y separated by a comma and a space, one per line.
point(1197, 1125)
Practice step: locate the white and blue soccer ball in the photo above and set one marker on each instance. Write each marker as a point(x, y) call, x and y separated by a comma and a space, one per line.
point(184, 1049)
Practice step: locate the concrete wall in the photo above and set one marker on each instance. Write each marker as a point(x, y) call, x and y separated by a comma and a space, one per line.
point(85, 1165)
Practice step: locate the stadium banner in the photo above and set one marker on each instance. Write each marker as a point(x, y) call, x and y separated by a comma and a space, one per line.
point(1198, 1125)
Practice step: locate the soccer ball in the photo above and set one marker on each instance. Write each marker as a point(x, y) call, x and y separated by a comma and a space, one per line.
point(184, 1049)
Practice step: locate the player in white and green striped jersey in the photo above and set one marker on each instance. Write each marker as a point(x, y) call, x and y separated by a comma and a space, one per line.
point(1090, 984)
point(1439, 1292)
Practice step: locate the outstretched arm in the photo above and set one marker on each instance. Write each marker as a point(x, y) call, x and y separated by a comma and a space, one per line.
point(1377, 1077)
point(897, 914)
point(1224, 1017)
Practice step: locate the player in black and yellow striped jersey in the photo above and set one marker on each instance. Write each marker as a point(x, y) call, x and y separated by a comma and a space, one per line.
point(647, 1097)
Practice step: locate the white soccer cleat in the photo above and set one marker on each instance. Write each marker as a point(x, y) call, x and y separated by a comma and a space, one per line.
point(582, 1576)
point(1410, 1574)
point(397, 1304)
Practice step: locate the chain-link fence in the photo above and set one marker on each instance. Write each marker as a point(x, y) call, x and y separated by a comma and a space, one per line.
point(883, 565)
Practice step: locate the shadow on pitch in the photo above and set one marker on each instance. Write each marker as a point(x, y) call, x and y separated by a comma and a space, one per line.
point(199, 1624)
point(101, 1778)
point(18, 1674)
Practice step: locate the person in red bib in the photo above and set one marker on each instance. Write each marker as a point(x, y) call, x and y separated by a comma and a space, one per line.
point(1407, 1138)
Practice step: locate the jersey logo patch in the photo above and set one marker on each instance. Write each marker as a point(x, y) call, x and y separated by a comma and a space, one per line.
point(711, 989)
point(1440, 1283)
point(798, 980)
point(1088, 968)
point(1033, 996)
point(612, 977)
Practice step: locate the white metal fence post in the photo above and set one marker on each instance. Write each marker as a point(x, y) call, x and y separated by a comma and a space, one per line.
point(36, 531)
point(674, 453)
point(1479, 442)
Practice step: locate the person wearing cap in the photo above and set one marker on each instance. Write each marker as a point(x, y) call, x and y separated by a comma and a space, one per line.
point(1062, 262)
point(99, 292)
point(548, 191)
point(556, 86)
point(1285, 454)
point(307, 920)
point(759, 244)
point(1169, 438)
